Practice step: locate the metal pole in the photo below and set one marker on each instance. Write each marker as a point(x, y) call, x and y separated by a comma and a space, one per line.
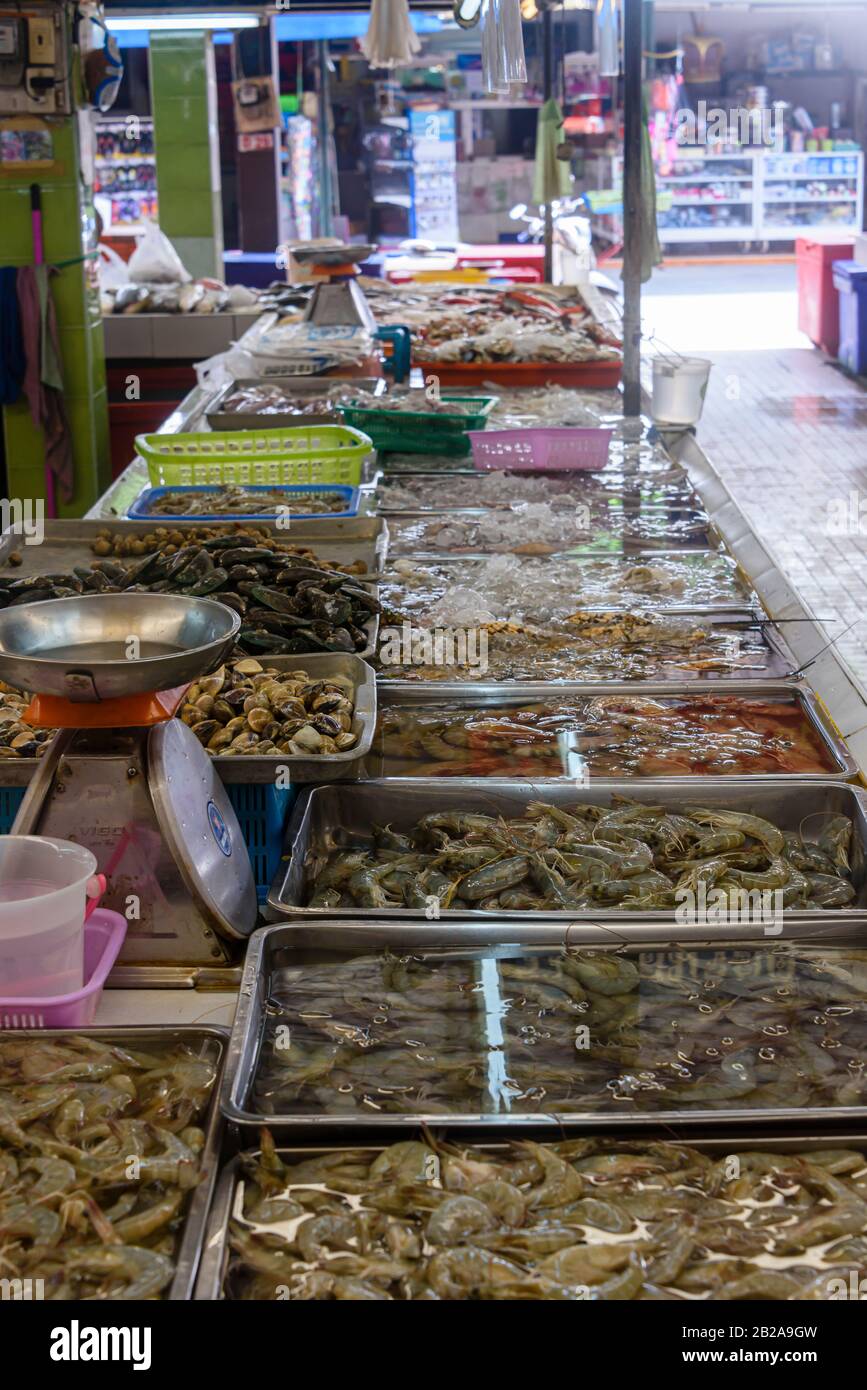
point(547, 92)
point(324, 129)
point(632, 207)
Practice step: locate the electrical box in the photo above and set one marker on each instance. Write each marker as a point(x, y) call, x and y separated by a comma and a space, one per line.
point(34, 61)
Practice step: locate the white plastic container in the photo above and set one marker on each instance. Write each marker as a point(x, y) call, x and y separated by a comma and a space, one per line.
point(44, 884)
point(679, 389)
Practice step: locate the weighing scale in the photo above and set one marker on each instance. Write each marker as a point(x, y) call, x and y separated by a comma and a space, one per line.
point(337, 299)
point(131, 782)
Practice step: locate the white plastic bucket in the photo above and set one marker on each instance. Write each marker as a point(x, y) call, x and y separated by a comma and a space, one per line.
point(43, 887)
point(679, 389)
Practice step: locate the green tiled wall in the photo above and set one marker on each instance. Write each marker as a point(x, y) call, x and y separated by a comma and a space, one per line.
point(67, 222)
point(183, 96)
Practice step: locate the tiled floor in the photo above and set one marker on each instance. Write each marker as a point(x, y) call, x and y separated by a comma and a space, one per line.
point(786, 430)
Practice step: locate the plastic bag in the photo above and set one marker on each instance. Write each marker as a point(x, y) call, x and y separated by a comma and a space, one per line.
point(235, 364)
point(155, 261)
point(113, 269)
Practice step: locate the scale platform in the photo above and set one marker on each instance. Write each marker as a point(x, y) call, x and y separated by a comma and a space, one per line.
point(129, 781)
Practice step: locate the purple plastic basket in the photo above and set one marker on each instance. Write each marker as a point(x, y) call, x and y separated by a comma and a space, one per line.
point(560, 448)
point(104, 932)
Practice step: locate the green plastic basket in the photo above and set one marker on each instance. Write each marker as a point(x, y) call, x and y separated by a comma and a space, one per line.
point(300, 454)
point(421, 431)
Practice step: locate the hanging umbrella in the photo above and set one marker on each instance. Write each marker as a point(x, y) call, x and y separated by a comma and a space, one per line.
point(551, 179)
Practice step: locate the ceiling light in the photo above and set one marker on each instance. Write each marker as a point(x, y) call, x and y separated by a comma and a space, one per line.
point(182, 21)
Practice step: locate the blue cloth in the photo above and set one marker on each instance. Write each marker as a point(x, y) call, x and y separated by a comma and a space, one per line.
point(12, 360)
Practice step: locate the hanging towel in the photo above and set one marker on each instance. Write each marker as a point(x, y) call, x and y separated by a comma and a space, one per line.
point(12, 362)
point(551, 179)
point(43, 378)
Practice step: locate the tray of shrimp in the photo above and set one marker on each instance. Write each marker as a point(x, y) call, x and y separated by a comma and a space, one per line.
point(714, 849)
point(597, 1217)
point(109, 1139)
point(381, 1026)
point(539, 734)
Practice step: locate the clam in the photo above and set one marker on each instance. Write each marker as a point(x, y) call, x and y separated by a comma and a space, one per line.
point(221, 739)
point(213, 684)
point(247, 667)
point(205, 729)
point(258, 719)
point(308, 739)
point(246, 740)
point(343, 742)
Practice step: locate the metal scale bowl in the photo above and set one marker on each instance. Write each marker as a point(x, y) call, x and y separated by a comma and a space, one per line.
point(128, 780)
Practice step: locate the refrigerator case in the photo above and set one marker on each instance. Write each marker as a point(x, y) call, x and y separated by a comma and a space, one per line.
point(435, 194)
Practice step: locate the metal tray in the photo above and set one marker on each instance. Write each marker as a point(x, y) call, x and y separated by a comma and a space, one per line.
point(349, 810)
point(780, 664)
point(220, 419)
point(272, 947)
point(192, 1240)
point(591, 541)
point(748, 603)
point(68, 543)
point(212, 1269)
point(330, 766)
point(492, 696)
point(578, 477)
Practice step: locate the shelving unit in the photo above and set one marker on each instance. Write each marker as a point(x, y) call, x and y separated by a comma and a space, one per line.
point(760, 195)
point(125, 203)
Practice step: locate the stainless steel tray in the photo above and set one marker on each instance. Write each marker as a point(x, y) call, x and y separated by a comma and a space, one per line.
point(587, 542)
point(68, 543)
point(271, 947)
point(348, 810)
point(212, 1268)
point(779, 662)
point(220, 419)
point(577, 477)
point(330, 766)
point(394, 694)
point(192, 1240)
point(655, 602)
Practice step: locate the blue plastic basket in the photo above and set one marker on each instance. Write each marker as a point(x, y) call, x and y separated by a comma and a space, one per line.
point(10, 801)
point(262, 810)
point(141, 509)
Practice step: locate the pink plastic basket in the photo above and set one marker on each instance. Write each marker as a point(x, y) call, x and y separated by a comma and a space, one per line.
point(104, 932)
point(525, 450)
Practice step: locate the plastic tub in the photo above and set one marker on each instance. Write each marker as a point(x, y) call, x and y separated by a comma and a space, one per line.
point(142, 507)
point(850, 279)
point(104, 934)
point(43, 887)
point(679, 389)
point(561, 448)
